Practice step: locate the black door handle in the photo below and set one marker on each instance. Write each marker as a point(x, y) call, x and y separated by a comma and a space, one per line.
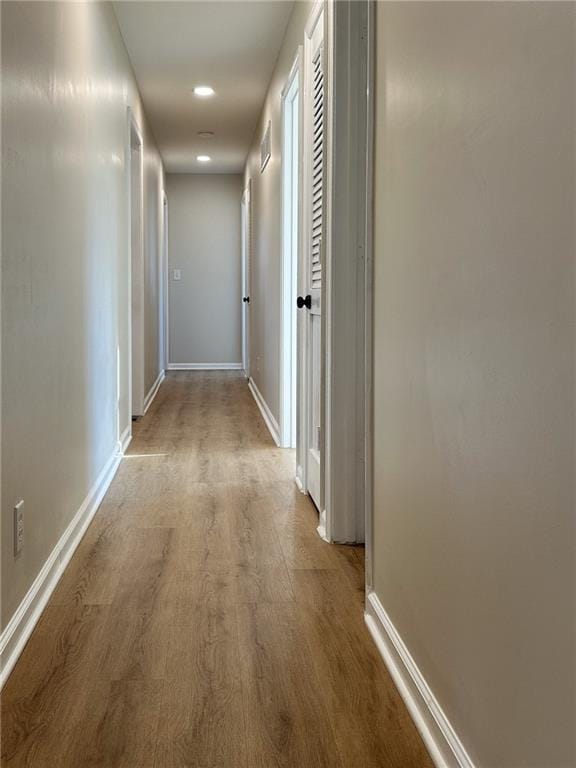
point(307, 302)
point(246, 299)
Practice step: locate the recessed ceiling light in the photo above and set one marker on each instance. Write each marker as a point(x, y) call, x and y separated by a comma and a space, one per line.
point(203, 158)
point(203, 90)
point(206, 134)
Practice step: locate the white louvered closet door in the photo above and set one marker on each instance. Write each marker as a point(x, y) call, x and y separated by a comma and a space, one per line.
point(314, 137)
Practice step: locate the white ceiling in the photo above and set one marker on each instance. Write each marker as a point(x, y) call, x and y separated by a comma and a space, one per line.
point(231, 46)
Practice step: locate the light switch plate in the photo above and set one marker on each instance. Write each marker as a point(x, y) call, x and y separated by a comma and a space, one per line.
point(176, 274)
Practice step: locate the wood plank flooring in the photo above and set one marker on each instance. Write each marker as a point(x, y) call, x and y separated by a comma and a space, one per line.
point(202, 622)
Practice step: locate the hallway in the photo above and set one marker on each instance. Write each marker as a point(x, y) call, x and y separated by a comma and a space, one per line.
point(202, 621)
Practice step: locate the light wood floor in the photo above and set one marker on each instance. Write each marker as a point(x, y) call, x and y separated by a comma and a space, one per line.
point(202, 622)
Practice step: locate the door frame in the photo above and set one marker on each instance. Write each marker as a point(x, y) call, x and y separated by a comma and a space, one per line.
point(164, 308)
point(348, 295)
point(291, 175)
point(303, 399)
point(246, 234)
point(368, 371)
point(136, 350)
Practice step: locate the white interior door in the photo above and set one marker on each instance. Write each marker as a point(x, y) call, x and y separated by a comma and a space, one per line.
point(245, 223)
point(310, 302)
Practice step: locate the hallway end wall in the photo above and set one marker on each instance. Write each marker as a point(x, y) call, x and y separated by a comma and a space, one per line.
point(66, 86)
point(474, 344)
point(205, 246)
point(266, 223)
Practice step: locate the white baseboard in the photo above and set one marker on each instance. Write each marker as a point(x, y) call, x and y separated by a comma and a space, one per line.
point(204, 366)
point(19, 628)
point(322, 527)
point(125, 440)
point(298, 480)
point(153, 391)
point(440, 738)
point(267, 415)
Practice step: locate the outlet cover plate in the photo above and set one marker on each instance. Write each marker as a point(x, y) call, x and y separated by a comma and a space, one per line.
point(18, 527)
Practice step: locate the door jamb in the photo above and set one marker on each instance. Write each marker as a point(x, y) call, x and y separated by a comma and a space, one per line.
point(369, 298)
point(246, 235)
point(134, 134)
point(326, 457)
point(349, 274)
point(165, 281)
point(290, 261)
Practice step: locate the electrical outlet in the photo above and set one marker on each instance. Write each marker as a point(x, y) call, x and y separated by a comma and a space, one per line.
point(18, 527)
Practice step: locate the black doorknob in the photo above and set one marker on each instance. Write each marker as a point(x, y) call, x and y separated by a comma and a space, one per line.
point(246, 299)
point(306, 302)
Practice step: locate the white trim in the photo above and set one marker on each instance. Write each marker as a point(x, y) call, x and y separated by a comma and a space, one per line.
point(326, 528)
point(20, 627)
point(313, 18)
point(265, 147)
point(125, 439)
point(267, 415)
point(246, 235)
point(165, 357)
point(205, 366)
point(345, 273)
point(136, 355)
point(291, 183)
point(321, 527)
point(298, 481)
point(369, 299)
point(438, 734)
point(148, 400)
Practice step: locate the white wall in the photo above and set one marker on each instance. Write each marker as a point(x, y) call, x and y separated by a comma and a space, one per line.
point(266, 220)
point(204, 243)
point(66, 86)
point(474, 365)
